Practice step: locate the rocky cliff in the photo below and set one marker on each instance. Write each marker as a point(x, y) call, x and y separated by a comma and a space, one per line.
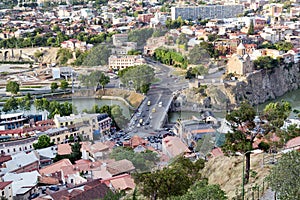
point(264, 85)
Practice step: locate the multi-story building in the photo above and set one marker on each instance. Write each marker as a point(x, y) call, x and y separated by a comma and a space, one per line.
point(122, 62)
point(6, 189)
point(12, 121)
point(207, 12)
point(119, 39)
point(99, 122)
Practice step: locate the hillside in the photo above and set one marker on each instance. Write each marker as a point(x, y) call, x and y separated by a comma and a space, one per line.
point(227, 172)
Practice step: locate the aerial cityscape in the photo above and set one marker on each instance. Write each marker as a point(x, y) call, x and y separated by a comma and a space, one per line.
point(155, 99)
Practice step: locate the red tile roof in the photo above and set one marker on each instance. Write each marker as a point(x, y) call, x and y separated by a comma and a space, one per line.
point(55, 167)
point(121, 182)
point(217, 152)
point(92, 190)
point(5, 158)
point(293, 143)
point(4, 184)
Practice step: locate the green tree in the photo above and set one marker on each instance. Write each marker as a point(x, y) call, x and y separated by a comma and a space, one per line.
point(140, 36)
point(276, 113)
point(76, 153)
point(171, 181)
point(53, 86)
point(251, 28)
point(10, 104)
point(98, 55)
point(265, 62)
point(13, 87)
point(283, 46)
point(43, 142)
point(143, 161)
point(182, 39)
point(201, 190)
point(64, 84)
point(284, 177)
point(103, 80)
point(24, 103)
point(137, 76)
point(64, 55)
point(243, 135)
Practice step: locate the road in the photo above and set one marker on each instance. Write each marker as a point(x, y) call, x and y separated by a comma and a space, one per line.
point(160, 96)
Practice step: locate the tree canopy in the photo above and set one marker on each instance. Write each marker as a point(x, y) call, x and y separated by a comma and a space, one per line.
point(138, 77)
point(198, 55)
point(13, 87)
point(170, 57)
point(171, 181)
point(54, 107)
point(53, 86)
point(143, 161)
point(244, 133)
point(140, 36)
point(201, 190)
point(276, 113)
point(265, 62)
point(284, 177)
point(98, 55)
point(283, 46)
point(43, 142)
point(64, 84)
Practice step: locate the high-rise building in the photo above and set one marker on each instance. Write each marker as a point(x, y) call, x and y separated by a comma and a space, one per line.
point(207, 12)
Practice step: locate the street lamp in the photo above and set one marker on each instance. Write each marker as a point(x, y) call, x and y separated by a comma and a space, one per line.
point(243, 181)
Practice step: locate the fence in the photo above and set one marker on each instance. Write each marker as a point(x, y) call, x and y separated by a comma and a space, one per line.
point(254, 192)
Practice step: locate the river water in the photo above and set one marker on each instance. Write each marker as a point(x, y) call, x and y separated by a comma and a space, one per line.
point(81, 104)
point(292, 97)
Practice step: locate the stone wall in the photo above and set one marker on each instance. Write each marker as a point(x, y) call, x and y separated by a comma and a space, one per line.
point(264, 85)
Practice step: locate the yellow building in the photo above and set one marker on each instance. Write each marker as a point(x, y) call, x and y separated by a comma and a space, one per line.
point(240, 63)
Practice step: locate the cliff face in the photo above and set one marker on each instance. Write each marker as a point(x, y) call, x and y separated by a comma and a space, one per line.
point(265, 85)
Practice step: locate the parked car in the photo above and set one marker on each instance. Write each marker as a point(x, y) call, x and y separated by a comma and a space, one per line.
point(54, 188)
point(34, 195)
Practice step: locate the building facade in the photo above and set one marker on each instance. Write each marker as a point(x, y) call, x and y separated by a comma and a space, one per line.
point(207, 12)
point(6, 190)
point(124, 61)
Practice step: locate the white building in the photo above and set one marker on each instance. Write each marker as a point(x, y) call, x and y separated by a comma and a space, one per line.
point(6, 189)
point(122, 62)
point(207, 12)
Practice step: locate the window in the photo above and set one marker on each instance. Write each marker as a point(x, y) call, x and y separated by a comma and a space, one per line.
point(30, 147)
point(20, 148)
point(3, 193)
point(7, 150)
point(14, 150)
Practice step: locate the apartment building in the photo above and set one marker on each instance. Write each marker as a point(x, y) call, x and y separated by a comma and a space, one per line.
point(6, 190)
point(207, 12)
point(123, 61)
point(99, 122)
point(12, 121)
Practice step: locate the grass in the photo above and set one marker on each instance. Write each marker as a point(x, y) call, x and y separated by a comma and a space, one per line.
point(134, 99)
point(227, 172)
point(32, 86)
point(179, 72)
point(156, 80)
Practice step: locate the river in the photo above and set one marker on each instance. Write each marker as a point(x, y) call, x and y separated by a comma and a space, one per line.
point(292, 97)
point(88, 103)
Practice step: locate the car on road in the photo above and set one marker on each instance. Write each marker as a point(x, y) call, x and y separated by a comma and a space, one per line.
point(34, 195)
point(54, 188)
